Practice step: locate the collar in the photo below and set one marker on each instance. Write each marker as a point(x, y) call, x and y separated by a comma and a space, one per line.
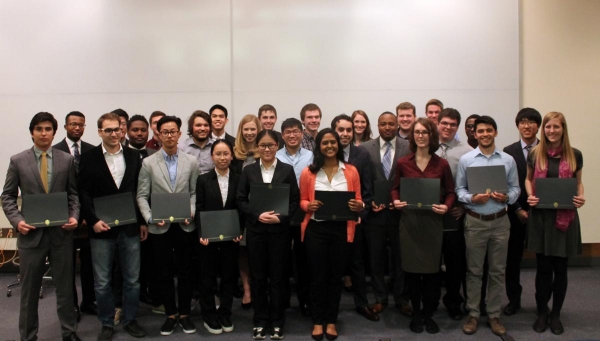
point(496, 152)
point(38, 152)
point(134, 148)
point(70, 143)
point(347, 150)
point(453, 143)
point(382, 142)
point(165, 155)
point(272, 166)
point(299, 152)
point(222, 176)
point(190, 142)
point(104, 151)
point(215, 137)
point(523, 144)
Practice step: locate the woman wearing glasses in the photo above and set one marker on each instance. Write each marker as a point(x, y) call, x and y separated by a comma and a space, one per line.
point(268, 238)
point(421, 231)
point(362, 127)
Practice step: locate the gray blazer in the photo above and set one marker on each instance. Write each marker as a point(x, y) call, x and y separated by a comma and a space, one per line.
point(154, 177)
point(374, 147)
point(23, 174)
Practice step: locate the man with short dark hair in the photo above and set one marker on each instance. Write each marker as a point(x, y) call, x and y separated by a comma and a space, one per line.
point(154, 142)
point(267, 115)
point(137, 131)
point(219, 118)
point(123, 118)
point(470, 130)
point(406, 114)
point(199, 141)
point(433, 109)
point(310, 115)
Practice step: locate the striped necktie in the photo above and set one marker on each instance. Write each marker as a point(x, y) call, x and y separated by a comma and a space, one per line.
point(76, 155)
point(387, 160)
point(444, 147)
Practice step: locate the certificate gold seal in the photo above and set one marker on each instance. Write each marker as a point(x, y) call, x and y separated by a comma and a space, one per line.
point(555, 205)
point(270, 186)
point(488, 191)
point(419, 205)
point(171, 218)
point(221, 237)
point(116, 221)
point(334, 217)
point(47, 222)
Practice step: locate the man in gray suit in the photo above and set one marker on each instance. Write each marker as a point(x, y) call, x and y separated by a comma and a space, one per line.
point(384, 152)
point(171, 171)
point(38, 170)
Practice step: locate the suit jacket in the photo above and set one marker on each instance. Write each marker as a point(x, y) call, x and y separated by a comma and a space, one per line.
point(208, 196)
point(62, 145)
point(359, 158)
point(284, 173)
point(23, 173)
point(154, 178)
point(95, 181)
point(516, 152)
point(230, 139)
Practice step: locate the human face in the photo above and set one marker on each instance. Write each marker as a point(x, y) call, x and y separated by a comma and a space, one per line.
point(329, 146)
point(292, 137)
point(344, 130)
point(553, 130)
point(312, 121)
point(421, 136)
point(528, 129)
point(43, 134)
point(218, 119)
point(153, 125)
point(470, 128)
point(138, 134)
point(360, 124)
point(387, 125)
point(406, 117)
point(268, 119)
point(222, 156)
point(169, 135)
point(110, 140)
point(267, 154)
point(200, 129)
point(249, 131)
point(485, 135)
point(75, 127)
point(432, 112)
point(123, 125)
point(447, 129)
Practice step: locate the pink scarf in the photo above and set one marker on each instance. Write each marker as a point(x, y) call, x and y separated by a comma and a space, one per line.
point(563, 217)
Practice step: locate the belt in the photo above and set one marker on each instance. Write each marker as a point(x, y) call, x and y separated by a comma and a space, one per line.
point(487, 217)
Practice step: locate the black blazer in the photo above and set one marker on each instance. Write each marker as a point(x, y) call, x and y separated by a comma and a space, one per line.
point(95, 181)
point(208, 196)
point(284, 174)
point(237, 165)
point(359, 158)
point(516, 152)
point(230, 139)
point(62, 145)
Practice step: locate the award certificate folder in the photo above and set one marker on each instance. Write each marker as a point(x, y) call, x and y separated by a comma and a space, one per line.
point(220, 226)
point(115, 210)
point(171, 207)
point(269, 197)
point(420, 193)
point(556, 193)
point(335, 206)
point(382, 191)
point(50, 209)
point(487, 179)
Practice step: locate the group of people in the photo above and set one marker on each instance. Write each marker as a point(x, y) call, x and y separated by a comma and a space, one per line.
point(477, 238)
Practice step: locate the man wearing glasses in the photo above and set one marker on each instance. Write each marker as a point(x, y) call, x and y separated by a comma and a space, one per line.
point(199, 141)
point(470, 130)
point(105, 170)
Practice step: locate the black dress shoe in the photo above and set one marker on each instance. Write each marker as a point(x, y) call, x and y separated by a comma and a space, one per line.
point(556, 326)
point(511, 309)
point(367, 313)
point(416, 325)
point(541, 323)
point(72, 337)
point(317, 337)
point(431, 326)
point(304, 309)
point(455, 313)
point(106, 333)
point(89, 308)
point(330, 337)
point(134, 329)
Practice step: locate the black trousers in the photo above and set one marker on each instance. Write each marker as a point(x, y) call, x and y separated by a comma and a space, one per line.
point(86, 274)
point(326, 248)
point(551, 281)
point(422, 289)
point(356, 266)
point(267, 257)
point(220, 258)
point(148, 273)
point(173, 253)
point(453, 249)
point(516, 245)
point(300, 264)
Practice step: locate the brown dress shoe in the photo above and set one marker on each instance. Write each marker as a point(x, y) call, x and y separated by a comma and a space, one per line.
point(470, 327)
point(377, 308)
point(497, 326)
point(405, 309)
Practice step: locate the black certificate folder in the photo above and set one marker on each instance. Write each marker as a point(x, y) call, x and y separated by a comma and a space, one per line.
point(382, 191)
point(420, 193)
point(51, 209)
point(171, 207)
point(335, 206)
point(220, 226)
point(556, 193)
point(269, 197)
point(487, 179)
point(116, 209)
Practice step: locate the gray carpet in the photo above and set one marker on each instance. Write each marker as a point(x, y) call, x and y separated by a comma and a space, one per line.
point(581, 316)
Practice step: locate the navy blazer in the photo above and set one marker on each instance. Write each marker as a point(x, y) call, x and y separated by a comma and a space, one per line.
point(62, 145)
point(516, 152)
point(208, 196)
point(359, 158)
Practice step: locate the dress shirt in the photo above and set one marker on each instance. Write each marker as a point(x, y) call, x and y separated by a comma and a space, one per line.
point(455, 150)
point(38, 155)
point(524, 147)
point(307, 141)
point(498, 158)
point(267, 174)
point(116, 164)
point(400, 135)
point(347, 153)
point(223, 181)
point(205, 161)
point(302, 159)
point(171, 161)
point(382, 147)
point(221, 137)
point(70, 145)
point(338, 181)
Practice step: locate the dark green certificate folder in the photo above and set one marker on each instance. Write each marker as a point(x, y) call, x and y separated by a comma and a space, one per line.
point(269, 197)
point(382, 193)
point(487, 179)
point(556, 193)
point(171, 207)
point(220, 226)
point(115, 210)
point(335, 206)
point(51, 209)
point(420, 193)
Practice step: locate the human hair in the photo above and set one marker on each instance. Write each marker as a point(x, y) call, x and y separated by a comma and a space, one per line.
point(74, 113)
point(156, 114)
point(198, 113)
point(406, 106)
point(367, 134)
point(475, 116)
point(434, 138)
point(241, 150)
point(121, 113)
point(218, 106)
point(111, 116)
point(341, 117)
point(42, 117)
point(135, 118)
point(485, 120)
point(451, 113)
point(291, 123)
point(309, 107)
point(434, 101)
point(266, 107)
point(528, 114)
point(540, 152)
point(385, 113)
point(318, 157)
point(266, 132)
point(167, 119)
point(219, 141)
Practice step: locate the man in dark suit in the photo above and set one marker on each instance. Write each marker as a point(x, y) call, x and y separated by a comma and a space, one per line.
point(40, 170)
point(359, 158)
point(72, 144)
point(218, 115)
point(267, 114)
point(384, 152)
point(528, 122)
point(137, 131)
point(105, 170)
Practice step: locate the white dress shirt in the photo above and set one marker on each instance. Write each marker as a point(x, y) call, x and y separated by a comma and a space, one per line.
point(116, 164)
point(223, 181)
point(267, 174)
point(70, 145)
point(338, 181)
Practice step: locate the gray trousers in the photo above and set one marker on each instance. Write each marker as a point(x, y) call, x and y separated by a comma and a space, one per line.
point(483, 237)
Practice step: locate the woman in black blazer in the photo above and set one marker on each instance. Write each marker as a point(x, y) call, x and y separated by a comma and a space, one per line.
point(268, 238)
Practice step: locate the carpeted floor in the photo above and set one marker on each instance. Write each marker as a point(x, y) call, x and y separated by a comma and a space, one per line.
point(581, 316)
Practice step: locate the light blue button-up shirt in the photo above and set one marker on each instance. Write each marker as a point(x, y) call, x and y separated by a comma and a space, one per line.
point(171, 161)
point(302, 159)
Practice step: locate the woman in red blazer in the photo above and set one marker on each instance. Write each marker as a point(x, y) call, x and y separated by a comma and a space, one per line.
point(326, 240)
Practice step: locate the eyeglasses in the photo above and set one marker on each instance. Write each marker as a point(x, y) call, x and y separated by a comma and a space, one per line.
point(220, 155)
point(292, 132)
point(448, 124)
point(109, 131)
point(166, 133)
point(469, 126)
point(421, 132)
point(73, 125)
point(267, 146)
point(526, 122)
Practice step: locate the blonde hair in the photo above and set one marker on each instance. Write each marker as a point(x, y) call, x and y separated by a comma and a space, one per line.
point(540, 152)
point(241, 148)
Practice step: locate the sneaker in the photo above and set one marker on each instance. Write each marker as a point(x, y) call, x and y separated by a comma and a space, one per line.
point(187, 325)
point(134, 329)
point(258, 333)
point(277, 334)
point(226, 323)
point(106, 333)
point(158, 309)
point(168, 326)
point(118, 316)
point(213, 326)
